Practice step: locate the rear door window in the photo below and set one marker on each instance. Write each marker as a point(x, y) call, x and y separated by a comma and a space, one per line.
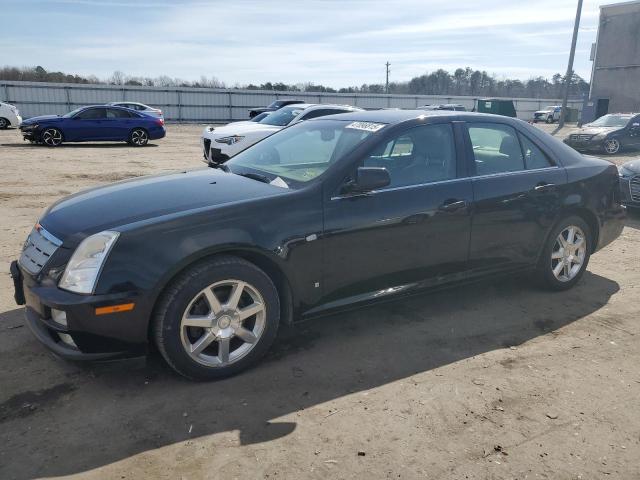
point(496, 148)
point(534, 158)
point(116, 113)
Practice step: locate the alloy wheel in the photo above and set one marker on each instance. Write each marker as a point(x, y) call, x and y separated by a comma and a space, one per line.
point(139, 137)
point(223, 323)
point(612, 146)
point(52, 137)
point(568, 254)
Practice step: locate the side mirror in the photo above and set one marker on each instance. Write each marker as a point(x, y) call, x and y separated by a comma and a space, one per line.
point(368, 179)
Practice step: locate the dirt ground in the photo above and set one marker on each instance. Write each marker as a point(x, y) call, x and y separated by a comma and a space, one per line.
point(496, 380)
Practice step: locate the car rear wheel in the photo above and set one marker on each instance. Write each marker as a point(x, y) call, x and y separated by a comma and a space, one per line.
point(217, 319)
point(51, 137)
point(566, 254)
point(611, 146)
point(4, 123)
point(549, 119)
point(138, 137)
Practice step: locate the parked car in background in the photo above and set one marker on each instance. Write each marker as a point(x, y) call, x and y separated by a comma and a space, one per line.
point(278, 104)
point(447, 106)
point(9, 116)
point(608, 134)
point(331, 213)
point(548, 114)
point(630, 183)
point(94, 123)
point(221, 143)
point(139, 107)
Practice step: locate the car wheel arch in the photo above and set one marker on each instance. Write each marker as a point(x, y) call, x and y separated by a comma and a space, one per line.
point(256, 257)
point(587, 215)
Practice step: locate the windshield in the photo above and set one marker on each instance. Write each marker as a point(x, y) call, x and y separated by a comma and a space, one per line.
point(299, 154)
point(72, 113)
point(282, 117)
point(611, 121)
point(260, 116)
point(550, 107)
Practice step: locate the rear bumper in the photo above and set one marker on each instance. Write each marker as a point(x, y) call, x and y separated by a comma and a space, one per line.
point(86, 336)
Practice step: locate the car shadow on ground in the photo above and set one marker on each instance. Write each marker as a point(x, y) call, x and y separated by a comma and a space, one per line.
point(83, 417)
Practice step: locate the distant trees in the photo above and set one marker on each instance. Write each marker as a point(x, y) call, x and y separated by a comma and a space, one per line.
point(463, 81)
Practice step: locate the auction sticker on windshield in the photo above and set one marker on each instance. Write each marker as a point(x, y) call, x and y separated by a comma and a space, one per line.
point(367, 126)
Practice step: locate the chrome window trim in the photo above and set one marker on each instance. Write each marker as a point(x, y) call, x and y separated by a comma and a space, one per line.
point(516, 172)
point(402, 187)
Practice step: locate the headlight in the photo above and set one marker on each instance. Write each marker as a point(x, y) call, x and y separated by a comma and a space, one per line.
point(83, 269)
point(624, 172)
point(229, 140)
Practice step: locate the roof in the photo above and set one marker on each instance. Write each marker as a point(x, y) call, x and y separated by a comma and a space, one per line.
point(399, 116)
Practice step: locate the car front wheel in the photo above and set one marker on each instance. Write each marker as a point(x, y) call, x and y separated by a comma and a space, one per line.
point(138, 137)
point(611, 146)
point(51, 137)
point(217, 318)
point(566, 254)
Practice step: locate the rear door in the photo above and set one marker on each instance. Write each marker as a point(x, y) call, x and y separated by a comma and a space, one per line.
point(516, 189)
point(118, 124)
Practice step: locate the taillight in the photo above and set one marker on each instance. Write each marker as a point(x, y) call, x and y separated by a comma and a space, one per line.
point(160, 121)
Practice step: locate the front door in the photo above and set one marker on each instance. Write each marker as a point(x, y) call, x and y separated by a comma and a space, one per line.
point(89, 124)
point(415, 229)
point(516, 189)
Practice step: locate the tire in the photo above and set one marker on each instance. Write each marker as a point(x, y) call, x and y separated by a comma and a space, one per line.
point(549, 119)
point(51, 137)
point(138, 137)
point(191, 334)
point(4, 123)
point(611, 146)
point(558, 266)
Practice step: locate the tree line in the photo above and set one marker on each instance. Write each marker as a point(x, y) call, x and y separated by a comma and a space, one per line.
point(463, 81)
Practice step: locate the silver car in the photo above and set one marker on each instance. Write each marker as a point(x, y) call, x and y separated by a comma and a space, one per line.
point(140, 107)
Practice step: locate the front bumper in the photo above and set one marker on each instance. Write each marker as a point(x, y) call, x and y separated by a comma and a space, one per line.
point(212, 155)
point(630, 191)
point(86, 336)
point(586, 145)
point(31, 134)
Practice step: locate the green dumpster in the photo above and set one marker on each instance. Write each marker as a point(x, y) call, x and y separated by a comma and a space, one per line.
point(497, 107)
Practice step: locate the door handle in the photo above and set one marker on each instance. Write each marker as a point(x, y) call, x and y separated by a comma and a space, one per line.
point(543, 187)
point(452, 205)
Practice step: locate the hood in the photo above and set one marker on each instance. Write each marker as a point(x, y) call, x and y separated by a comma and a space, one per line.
point(40, 118)
point(242, 129)
point(144, 198)
point(587, 130)
point(543, 111)
point(633, 165)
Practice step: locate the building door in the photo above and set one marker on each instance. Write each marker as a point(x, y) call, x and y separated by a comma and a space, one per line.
point(603, 107)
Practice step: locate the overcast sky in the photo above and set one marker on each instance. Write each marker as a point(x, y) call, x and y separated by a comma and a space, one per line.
point(332, 42)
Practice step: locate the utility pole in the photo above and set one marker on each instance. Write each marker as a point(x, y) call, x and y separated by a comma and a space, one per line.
point(568, 77)
point(386, 87)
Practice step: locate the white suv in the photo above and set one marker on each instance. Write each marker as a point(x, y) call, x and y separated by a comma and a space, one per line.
point(221, 143)
point(9, 116)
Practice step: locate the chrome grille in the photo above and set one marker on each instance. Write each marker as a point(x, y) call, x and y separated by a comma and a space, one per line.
point(634, 186)
point(580, 137)
point(37, 250)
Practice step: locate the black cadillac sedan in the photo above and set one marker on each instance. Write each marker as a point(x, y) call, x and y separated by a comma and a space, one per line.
point(331, 213)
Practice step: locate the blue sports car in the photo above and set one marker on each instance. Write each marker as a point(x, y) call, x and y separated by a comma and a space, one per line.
point(94, 123)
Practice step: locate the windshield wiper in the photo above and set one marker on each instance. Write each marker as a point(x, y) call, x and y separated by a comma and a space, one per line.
point(255, 176)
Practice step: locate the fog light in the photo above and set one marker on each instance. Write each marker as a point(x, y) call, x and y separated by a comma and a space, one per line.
point(59, 316)
point(66, 338)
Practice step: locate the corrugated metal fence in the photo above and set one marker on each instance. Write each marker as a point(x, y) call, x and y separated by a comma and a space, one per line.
point(215, 105)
